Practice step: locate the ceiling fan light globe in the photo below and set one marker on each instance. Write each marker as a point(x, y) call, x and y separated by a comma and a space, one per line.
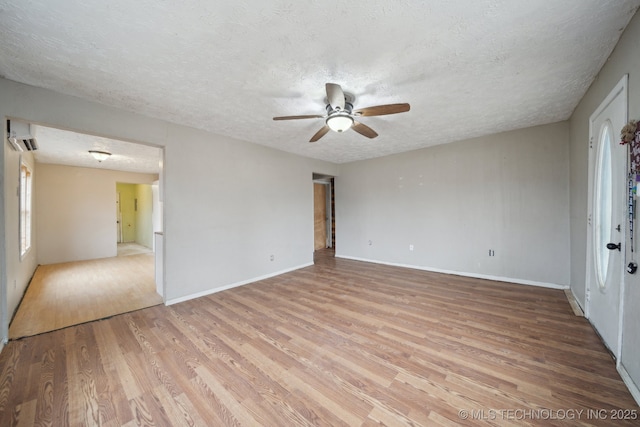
point(339, 122)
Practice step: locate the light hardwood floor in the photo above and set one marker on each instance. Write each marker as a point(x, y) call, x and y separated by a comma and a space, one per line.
point(71, 293)
point(338, 343)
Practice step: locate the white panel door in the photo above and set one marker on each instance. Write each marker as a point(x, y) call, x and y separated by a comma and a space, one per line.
point(607, 219)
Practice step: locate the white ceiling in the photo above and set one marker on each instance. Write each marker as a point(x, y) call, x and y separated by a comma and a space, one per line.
point(70, 148)
point(467, 67)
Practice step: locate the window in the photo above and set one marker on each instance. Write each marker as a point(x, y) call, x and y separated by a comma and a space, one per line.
point(604, 203)
point(25, 209)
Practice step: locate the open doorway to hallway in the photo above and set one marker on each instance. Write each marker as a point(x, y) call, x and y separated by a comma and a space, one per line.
point(324, 224)
point(136, 205)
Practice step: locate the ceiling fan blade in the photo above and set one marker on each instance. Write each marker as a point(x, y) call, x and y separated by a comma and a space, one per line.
point(322, 132)
point(364, 130)
point(335, 96)
point(381, 110)
point(311, 116)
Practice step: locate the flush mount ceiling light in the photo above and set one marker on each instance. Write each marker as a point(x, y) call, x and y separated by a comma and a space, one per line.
point(100, 155)
point(339, 122)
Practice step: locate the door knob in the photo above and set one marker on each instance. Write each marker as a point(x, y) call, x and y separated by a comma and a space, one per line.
point(613, 246)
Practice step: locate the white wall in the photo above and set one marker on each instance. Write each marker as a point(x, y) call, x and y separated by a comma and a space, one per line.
point(238, 204)
point(623, 60)
point(507, 192)
point(77, 211)
point(228, 204)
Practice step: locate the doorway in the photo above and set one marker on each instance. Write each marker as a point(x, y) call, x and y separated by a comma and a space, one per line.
point(84, 199)
point(323, 213)
point(134, 216)
point(607, 208)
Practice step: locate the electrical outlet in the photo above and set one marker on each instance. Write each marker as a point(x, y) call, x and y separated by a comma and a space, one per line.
point(370, 243)
point(410, 247)
point(492, 252)
point(271, 258)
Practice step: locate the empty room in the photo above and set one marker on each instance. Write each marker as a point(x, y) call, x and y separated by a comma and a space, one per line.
point(265, 213)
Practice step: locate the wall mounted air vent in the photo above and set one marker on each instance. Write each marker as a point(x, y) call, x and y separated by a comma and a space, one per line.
point(20, 136)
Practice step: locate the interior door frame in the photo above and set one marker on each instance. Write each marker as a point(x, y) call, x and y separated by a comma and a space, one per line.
point(329, 210)
point(621, 89)
point(327, 181)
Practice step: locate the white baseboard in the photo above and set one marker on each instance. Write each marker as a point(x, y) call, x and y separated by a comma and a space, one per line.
point(415, 267)
point(461, 273)
point(233, 285)
point(633, 388)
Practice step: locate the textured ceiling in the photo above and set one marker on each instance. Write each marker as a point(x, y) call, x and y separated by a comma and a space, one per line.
point(467, 67)
point(70, 148)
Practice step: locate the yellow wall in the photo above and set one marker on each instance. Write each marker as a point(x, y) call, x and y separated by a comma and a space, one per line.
point(127, 210)
point(144, 225)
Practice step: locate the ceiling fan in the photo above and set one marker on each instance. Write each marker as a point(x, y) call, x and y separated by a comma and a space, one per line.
point(341, 115)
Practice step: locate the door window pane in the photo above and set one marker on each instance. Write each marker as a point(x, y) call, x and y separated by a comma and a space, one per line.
point(603, 203)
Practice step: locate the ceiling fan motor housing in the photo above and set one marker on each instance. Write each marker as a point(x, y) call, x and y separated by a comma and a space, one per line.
point(348, 108)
